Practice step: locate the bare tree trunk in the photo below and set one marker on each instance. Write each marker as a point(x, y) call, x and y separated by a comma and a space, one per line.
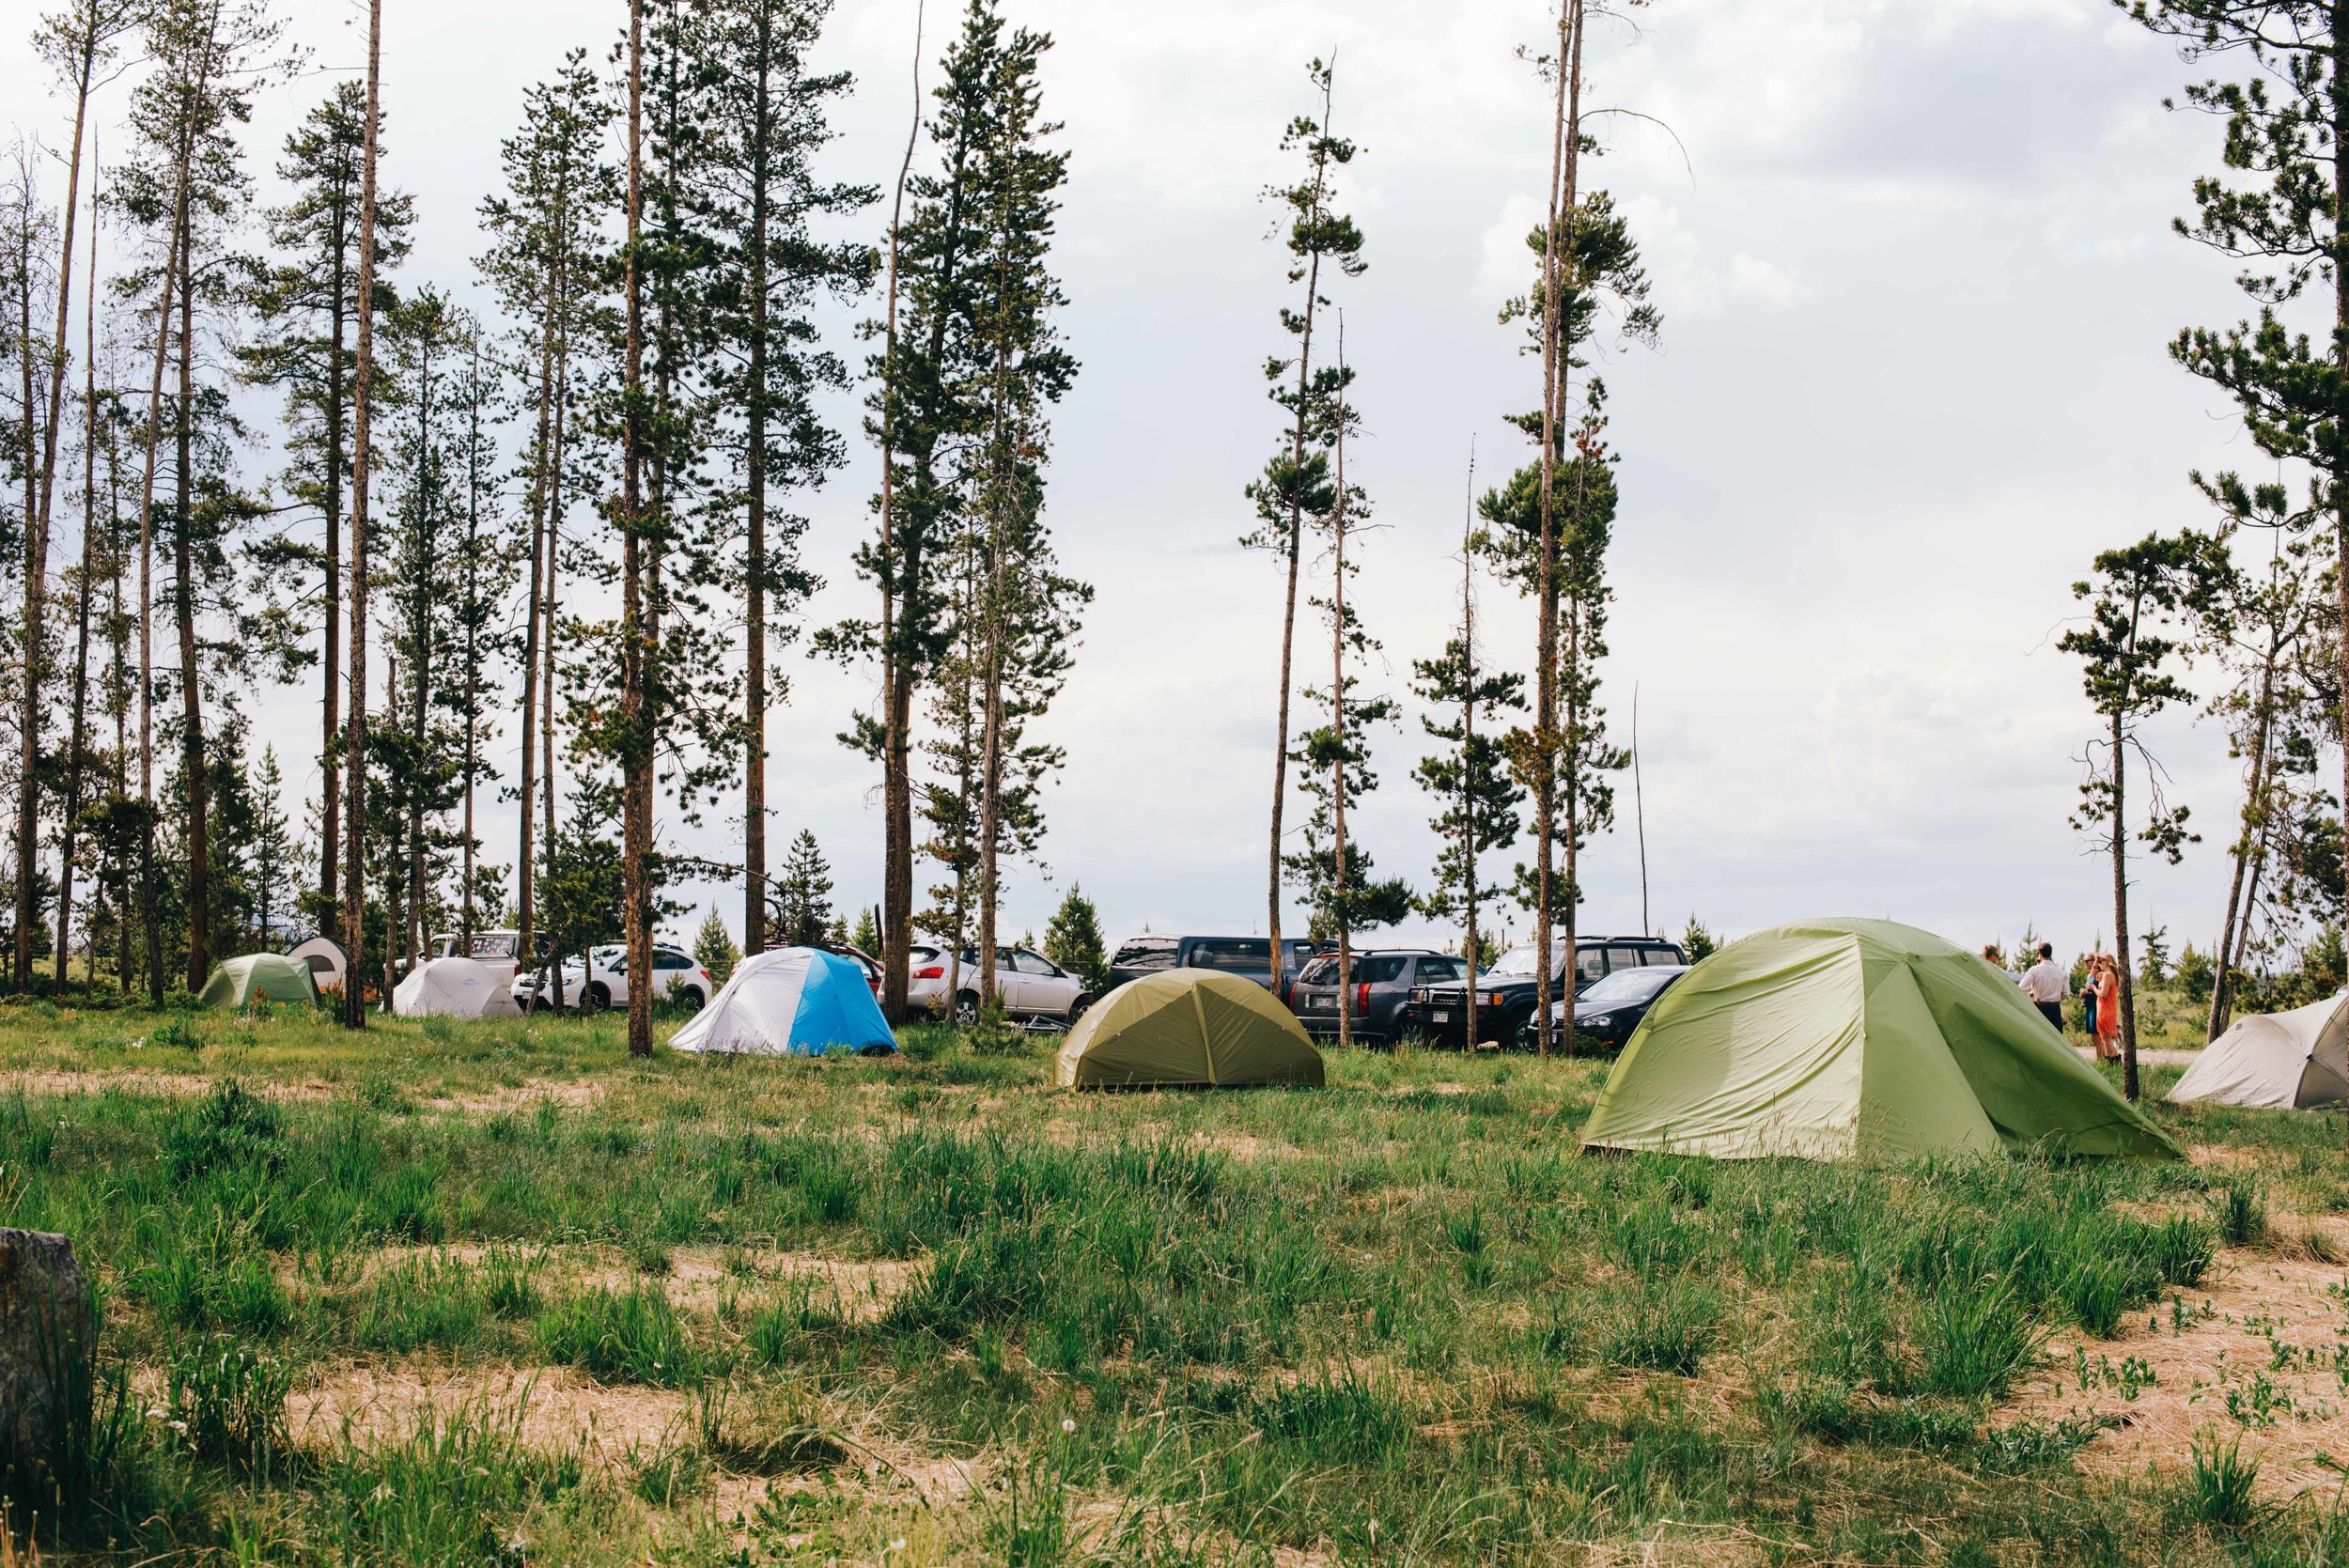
point(77, 739)
point(362, 457)
point(552, 619)
point(896, 934)
point(636, 783)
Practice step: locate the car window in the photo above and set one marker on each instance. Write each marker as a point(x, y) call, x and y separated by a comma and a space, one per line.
point(1628, 985)
point(1591, 962)
point(1517, 960)
point(1235, 953)
point(1435, 971)
point(1032, 963)
point(500, 945)
point(1623, 958)
point(1658, 955)
point(1146, 952)
point(668, 958)
point(1380, 970)
point(1318, 971)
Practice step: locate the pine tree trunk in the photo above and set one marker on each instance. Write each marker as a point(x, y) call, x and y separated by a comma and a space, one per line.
point(2254, 811)
point(35, 567)
point(1545, 610)
point(525, 955)
point(551, 619)
point(1337, 730)
point(754, 478)
point(77, 739)
point(1467, 744)
point(896, 933)
point(361, 459)
point(183, 609)
point(330, 684)
point(1276, 965)
point(2120, 908)
point(635, 780)
point(149, 916)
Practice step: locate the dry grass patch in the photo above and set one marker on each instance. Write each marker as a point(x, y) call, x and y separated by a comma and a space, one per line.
point(2260, 1352)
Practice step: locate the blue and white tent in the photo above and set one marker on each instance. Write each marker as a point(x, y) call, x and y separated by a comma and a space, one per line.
point(792, 1001)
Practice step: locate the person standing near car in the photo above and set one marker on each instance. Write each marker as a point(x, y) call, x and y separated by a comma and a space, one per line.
point(2045, 982)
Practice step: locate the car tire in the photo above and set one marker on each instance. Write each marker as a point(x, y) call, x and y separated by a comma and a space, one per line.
point(967, 1009)
point(595, 999)
point(695, 1000)
point(1077, 1004)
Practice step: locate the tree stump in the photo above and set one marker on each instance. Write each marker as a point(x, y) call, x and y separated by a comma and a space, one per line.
point(46, 1332)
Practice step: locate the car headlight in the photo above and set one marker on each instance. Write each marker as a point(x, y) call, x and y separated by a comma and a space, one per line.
point(1600, 1021)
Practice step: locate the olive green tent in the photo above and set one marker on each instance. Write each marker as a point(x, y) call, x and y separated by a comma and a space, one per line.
point(272, 975)
point(1835, 1039)
point(1186, 1029)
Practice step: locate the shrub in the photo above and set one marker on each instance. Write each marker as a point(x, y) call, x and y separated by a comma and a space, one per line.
point(635, 1338)
point(2221, 1484)
point(229, 1402)
point(2242, 1212)
point(450, 1490)
point(229, 1128)
point(1975, 1342)
point(1665, 1325)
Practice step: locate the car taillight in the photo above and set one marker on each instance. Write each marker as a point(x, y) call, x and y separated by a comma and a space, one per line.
point(1361, 1000)
point(933, 972)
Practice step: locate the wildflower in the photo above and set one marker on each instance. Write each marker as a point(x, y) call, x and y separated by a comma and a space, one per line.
point(899, 1545)
point(1066, 1424)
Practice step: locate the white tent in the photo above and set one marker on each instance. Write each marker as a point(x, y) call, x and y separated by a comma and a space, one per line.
point(324, 955)
point(459, 987)
point(2288, 1061)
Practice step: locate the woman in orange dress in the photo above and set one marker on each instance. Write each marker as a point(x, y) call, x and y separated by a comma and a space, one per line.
point(2107, 1009)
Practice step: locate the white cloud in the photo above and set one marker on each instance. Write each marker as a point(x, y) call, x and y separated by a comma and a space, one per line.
point(1752, 278)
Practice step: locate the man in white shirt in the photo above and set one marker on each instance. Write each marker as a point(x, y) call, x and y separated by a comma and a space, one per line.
point(2045, 982)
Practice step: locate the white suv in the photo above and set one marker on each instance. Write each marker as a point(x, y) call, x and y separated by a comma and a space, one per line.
point(603, 981)
point(1035, 989)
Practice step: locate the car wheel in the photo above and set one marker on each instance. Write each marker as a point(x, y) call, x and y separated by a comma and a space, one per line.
point(967, 1009)
point(695, 1000)
point(594, 999)
point(1077, 1004)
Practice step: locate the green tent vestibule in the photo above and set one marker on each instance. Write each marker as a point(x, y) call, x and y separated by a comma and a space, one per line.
point(270, 975)
point(1842, 1039)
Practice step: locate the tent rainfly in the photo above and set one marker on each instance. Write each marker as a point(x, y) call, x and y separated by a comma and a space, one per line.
point(791, 1002)
point(1836, 1039)
point(1191, 1029)
point(324, 955)
point(272, 976)
point(452, 987)
point(2286, 1061)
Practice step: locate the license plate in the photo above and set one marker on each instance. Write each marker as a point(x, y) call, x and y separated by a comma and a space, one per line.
point(1439, 1017)
point(1317, 1004)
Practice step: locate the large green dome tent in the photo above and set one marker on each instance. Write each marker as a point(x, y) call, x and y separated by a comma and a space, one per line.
point(1186, 1029)
point(259, 974)
point(1840, 1039)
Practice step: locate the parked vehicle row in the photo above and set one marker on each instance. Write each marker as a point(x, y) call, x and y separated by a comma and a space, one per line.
point(600, 979)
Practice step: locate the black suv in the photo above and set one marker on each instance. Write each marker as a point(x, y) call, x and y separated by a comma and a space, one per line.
point(1505, 993)
point(1382, 980)
point(1251, 957)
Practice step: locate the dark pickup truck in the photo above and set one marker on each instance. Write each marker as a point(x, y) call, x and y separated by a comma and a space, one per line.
point(1505, 993)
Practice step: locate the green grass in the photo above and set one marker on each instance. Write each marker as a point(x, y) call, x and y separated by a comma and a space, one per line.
point(1397, 1318)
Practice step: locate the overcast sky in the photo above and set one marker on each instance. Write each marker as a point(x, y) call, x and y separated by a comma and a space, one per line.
point(1917, 282)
